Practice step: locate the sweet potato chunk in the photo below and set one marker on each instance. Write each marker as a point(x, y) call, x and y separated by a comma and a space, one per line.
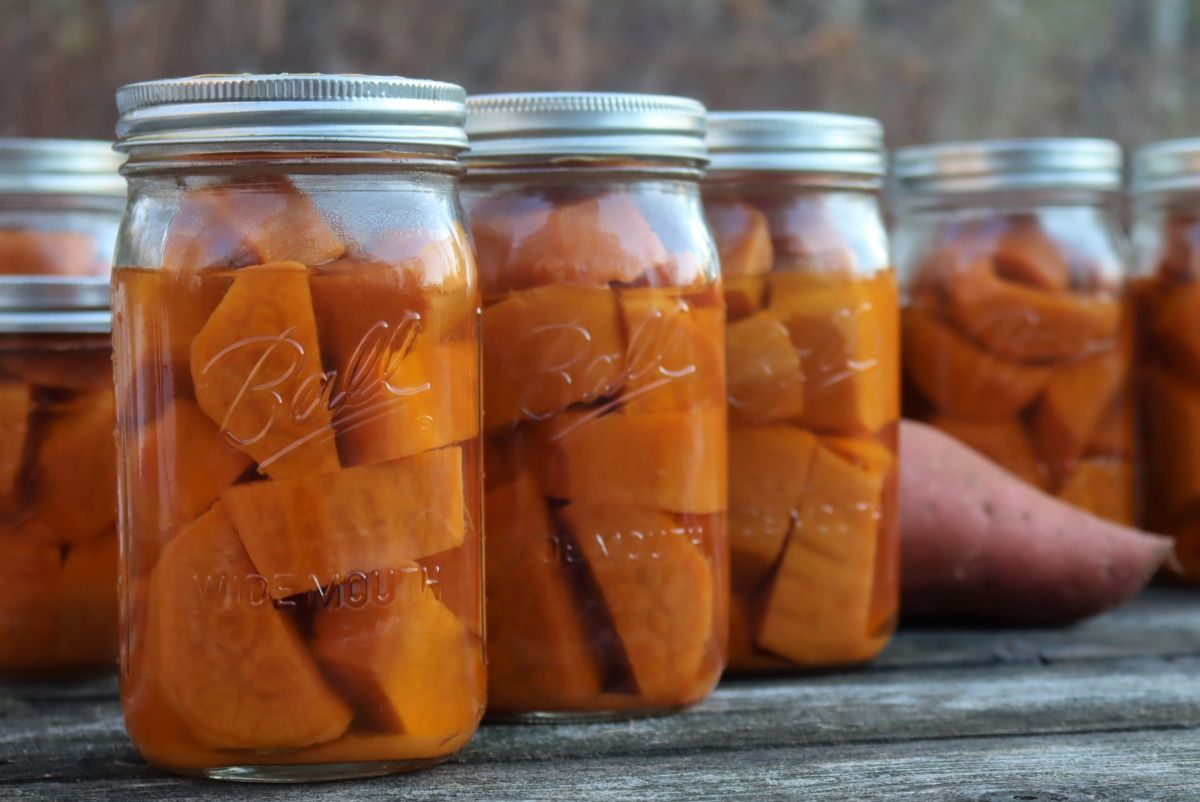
point(256, 367)
point(250, 222)
point(1014, 321)
point(664, 460)
point(547, 348)
point(1103, 487)
point(1175, 327)
point(743, 241)
point(318, 529)
point(1004, 442)
point(14, 428)
point(768, 472)
point(867, 453)
point(538, 654)
point(744, 295)
point(846, 332)
point(818, 607)
point(1075, 399)
point(76, 369)
point(49, 253)
point(1027, 254)
point(961, 380)
point(744, 656)
point(75, 480)
point(766, 381)
point(657, 588)
point(28, 621)
point(87, 604)
point(1175, 443)
point(228, 663)
point(675, 357)
point(408, 666)
point(1113, 435)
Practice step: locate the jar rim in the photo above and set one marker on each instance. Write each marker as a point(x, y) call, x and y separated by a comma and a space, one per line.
point(795, 141)
point(55, 304)
point(81, 167)
point(1008, 164)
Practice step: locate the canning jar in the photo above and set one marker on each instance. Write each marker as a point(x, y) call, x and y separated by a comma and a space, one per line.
point(1017, 337)
point(1166, 294)
point(58, 493)
point(812, 348)
point(297, 375)
point(603, 351)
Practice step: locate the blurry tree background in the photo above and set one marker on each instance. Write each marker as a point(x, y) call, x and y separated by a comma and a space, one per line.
point(931, 69)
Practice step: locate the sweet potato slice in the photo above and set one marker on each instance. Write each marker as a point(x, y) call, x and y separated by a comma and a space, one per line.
point(1174, 325)
point(1027, 254)
point(318, 529)
point(868, 453)
point(75, 477)
point(1018, 322)
point(87, 604)
point(49, 253)
point(665, 460)
point(408, 666)
point(539, 657)
point(744, 295)
point(256, 367)
point(1075, 399)
point(249, 222)
point(675, 358)
point(743, 241)
point(14, 428)
point(28, 621)
point(1005, 442)
point(817, 611)
point(1114, 434)
point(766, 381)
point(1174, 473)
point(228, 663)
point(1103, 487)
point(744, 656)
point(959, 378)
point(657, 588)
point(768, 472)
point(547, 348)
point(846, 331)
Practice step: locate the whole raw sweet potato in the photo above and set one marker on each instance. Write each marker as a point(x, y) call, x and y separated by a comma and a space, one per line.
point(981, 545)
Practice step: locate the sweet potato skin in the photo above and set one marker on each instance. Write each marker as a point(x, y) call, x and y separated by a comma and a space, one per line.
point(980, 545)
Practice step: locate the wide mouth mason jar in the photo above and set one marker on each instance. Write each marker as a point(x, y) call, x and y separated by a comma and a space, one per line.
point(604, 393)
point(1017, 333)
point(58, 544)
point(812, 346)
point(1166, 292)
point(295, 334)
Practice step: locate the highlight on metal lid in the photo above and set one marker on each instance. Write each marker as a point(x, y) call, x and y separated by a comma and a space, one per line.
point(280, 111)
point(1008, 164)
point(60, 167)
point(1170, 165)
point(587, 124)
point(796, 141)
point(54, 305)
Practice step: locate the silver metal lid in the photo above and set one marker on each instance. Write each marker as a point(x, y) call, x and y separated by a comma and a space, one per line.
point(54, 305)
point(1008, 164)
point(1167, 166)
point(281, 111)
point(60, 167)
point(558, 124)
point(795, 141)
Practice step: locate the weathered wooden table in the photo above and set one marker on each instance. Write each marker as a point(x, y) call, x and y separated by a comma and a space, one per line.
point(1109, 710)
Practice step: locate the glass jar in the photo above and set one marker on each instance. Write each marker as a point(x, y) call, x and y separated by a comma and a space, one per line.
point(603, 394)
point(296, 348)
point(58, 549)
point(1017, 334)
point(1166, 293)
point(814, 388)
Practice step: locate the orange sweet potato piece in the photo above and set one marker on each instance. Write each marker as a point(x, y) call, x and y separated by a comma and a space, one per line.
point(249, 222)
point(318, 529)
point(256, 367)
point(1174, 473)
point(1005, 442)
point(768, 471)
point(743, 240)
point(31, 573)
point(77, 369)
point(1181, 247)
point(675, 357)
point(87, 604)
point(847, 332)
point(547, 348)
point(664, 460)
point(744, 656)
point(408, 666)
point(1018, 322)
point(961, 380)
point(228, 663)
point(75, 477)
point(50, 253)
point(1103, 487)
point(539, 657)
point(1113, 435)
point(817, 611)
point(744, 295)
point(14, 428)
point(1175, 325)
point(1027, 254)
point(766, 381)
point(868, 453)
point(657, 588)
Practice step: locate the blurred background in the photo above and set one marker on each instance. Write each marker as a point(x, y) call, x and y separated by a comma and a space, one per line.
point(931, 69)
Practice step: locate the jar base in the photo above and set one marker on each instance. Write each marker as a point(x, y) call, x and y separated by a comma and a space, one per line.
point(307, 773)
point(581, 716)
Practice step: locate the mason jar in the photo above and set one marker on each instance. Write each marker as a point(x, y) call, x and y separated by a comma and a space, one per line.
point(1166, 293)
point(812, 348)
point(1017, 333)
point(297, 378)
point(604, 392)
